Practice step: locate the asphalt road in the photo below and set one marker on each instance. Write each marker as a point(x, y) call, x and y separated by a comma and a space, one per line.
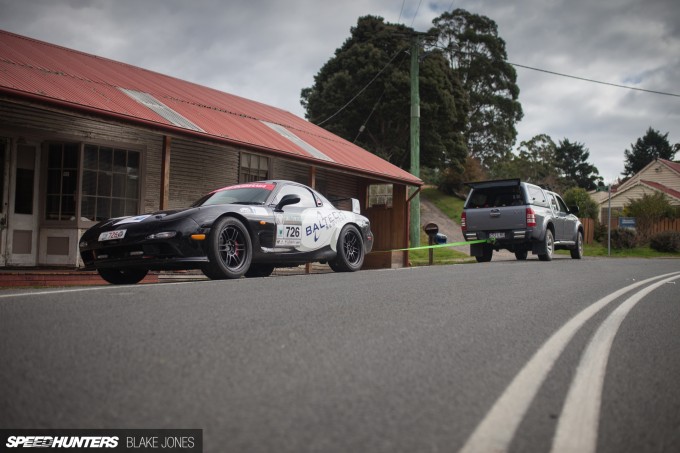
point(504, 356)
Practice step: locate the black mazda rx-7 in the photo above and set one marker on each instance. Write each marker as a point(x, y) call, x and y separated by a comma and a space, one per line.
point(247, 229)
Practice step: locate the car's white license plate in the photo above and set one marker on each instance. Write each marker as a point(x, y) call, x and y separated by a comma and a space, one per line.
point(498, 235)
point(111, 235)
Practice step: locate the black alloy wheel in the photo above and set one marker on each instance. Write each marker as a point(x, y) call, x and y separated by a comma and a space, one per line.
point(230, 250)
point(350, 250)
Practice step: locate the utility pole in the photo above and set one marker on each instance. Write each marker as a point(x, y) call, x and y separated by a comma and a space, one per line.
point(415, 140)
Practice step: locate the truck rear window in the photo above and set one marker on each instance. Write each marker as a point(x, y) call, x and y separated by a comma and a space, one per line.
point(495, 197)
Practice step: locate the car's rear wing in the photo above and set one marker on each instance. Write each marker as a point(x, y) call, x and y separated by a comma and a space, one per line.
point(356, 206)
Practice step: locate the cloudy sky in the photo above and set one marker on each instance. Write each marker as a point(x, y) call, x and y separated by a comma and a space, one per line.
point(268, 50)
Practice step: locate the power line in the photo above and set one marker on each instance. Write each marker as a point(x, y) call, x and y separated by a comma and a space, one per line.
point(416, 13)
point(363, 89)
point(594, 81)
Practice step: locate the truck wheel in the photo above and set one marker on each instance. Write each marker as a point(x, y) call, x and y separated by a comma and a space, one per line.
point(521, 255)
point(487, 254)
point(577, 252)
point(548, 246)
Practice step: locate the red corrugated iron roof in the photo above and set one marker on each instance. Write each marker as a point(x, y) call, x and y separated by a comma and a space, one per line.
point(73, 79)
point(665, 189)
point(675, 166)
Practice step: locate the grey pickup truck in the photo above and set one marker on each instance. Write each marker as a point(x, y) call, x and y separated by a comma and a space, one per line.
point(519, 217)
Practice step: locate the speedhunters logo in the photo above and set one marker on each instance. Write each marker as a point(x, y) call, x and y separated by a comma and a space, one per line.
point(61, 442)
point(112, 440)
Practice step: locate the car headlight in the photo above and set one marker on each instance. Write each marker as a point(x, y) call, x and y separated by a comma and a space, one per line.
point(163, 235)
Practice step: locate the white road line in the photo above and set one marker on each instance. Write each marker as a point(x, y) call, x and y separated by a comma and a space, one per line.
point(495, 432)
point(93, 288)
point(578, 424)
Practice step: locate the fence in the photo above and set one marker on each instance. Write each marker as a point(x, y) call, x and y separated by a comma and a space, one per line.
point(659, 227)
point(588, 230)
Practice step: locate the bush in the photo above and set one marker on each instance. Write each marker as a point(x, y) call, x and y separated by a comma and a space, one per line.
point(668, 241)
point(624, 238)
point(600, 233)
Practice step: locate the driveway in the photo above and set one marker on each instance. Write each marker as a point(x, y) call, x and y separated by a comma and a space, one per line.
point(429, 213)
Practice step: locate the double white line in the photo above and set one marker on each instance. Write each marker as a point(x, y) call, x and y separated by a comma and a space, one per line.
point(578, 423)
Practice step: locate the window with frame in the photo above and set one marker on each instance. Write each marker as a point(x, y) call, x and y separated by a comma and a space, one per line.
point(307, 200)
point(380, 195)
point(62, 181)
point(253, 168)
point(110, 185)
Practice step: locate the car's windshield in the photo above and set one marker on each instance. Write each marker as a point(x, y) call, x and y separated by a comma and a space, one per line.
point(248, 194)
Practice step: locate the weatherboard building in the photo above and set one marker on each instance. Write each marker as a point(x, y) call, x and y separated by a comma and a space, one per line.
point(84, 138)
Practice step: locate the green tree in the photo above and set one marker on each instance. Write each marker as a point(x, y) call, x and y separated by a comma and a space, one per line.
point(587, 207)
point(572, 161)
point(372, 70)
point(477, 56)
point(535, 162)
point(653, 145)
point(647, 211)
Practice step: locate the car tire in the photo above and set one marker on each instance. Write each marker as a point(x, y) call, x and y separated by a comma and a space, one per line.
point(577, 252)
point(522, 255)
point(259, 270)
point(548, 246)
point(123, 276)
point(230, 250)
point(350, 251)
point(487, 254)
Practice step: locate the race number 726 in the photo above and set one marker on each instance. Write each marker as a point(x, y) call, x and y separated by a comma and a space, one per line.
point(292, 232)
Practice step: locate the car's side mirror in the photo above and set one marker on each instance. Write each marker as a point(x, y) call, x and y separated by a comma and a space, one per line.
point(285, 201)
point(573, 209)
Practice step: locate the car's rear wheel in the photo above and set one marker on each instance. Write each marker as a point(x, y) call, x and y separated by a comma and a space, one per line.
point(487, 254)
point(123, 276)
point(577, 252)
point(548, 246)
point(350, 250)
point(259, 270)
point(230, 250)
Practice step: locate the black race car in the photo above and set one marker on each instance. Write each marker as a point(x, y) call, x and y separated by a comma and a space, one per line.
point(247, 229)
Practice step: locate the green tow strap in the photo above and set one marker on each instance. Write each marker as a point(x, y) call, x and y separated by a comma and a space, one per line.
point(438, 246)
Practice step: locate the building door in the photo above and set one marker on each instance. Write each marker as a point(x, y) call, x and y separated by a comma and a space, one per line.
point(22, 209)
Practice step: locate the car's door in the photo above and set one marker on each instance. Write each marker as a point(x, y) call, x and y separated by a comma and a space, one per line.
point(562, 217)
point(569, 220)
point(289, 222)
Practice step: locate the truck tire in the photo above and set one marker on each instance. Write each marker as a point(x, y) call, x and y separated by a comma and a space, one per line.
point(577, 252)
point(521, 255)
point(548, 246)
point(487, 254)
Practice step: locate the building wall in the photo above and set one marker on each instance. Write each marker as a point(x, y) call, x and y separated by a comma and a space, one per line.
point(196, 167)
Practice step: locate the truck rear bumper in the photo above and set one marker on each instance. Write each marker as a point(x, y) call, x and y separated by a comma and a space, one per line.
point(501, 236)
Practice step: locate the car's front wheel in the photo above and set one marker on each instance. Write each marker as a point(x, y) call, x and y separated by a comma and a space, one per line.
point(350, 250)
point(230, 250)
point(577, 252)
point(123, 276)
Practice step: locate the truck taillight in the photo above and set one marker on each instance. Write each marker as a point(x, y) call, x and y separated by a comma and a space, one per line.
point(463, 222)
point(531, 218)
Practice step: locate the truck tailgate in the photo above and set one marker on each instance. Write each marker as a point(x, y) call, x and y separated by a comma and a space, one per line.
point(496, 219)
